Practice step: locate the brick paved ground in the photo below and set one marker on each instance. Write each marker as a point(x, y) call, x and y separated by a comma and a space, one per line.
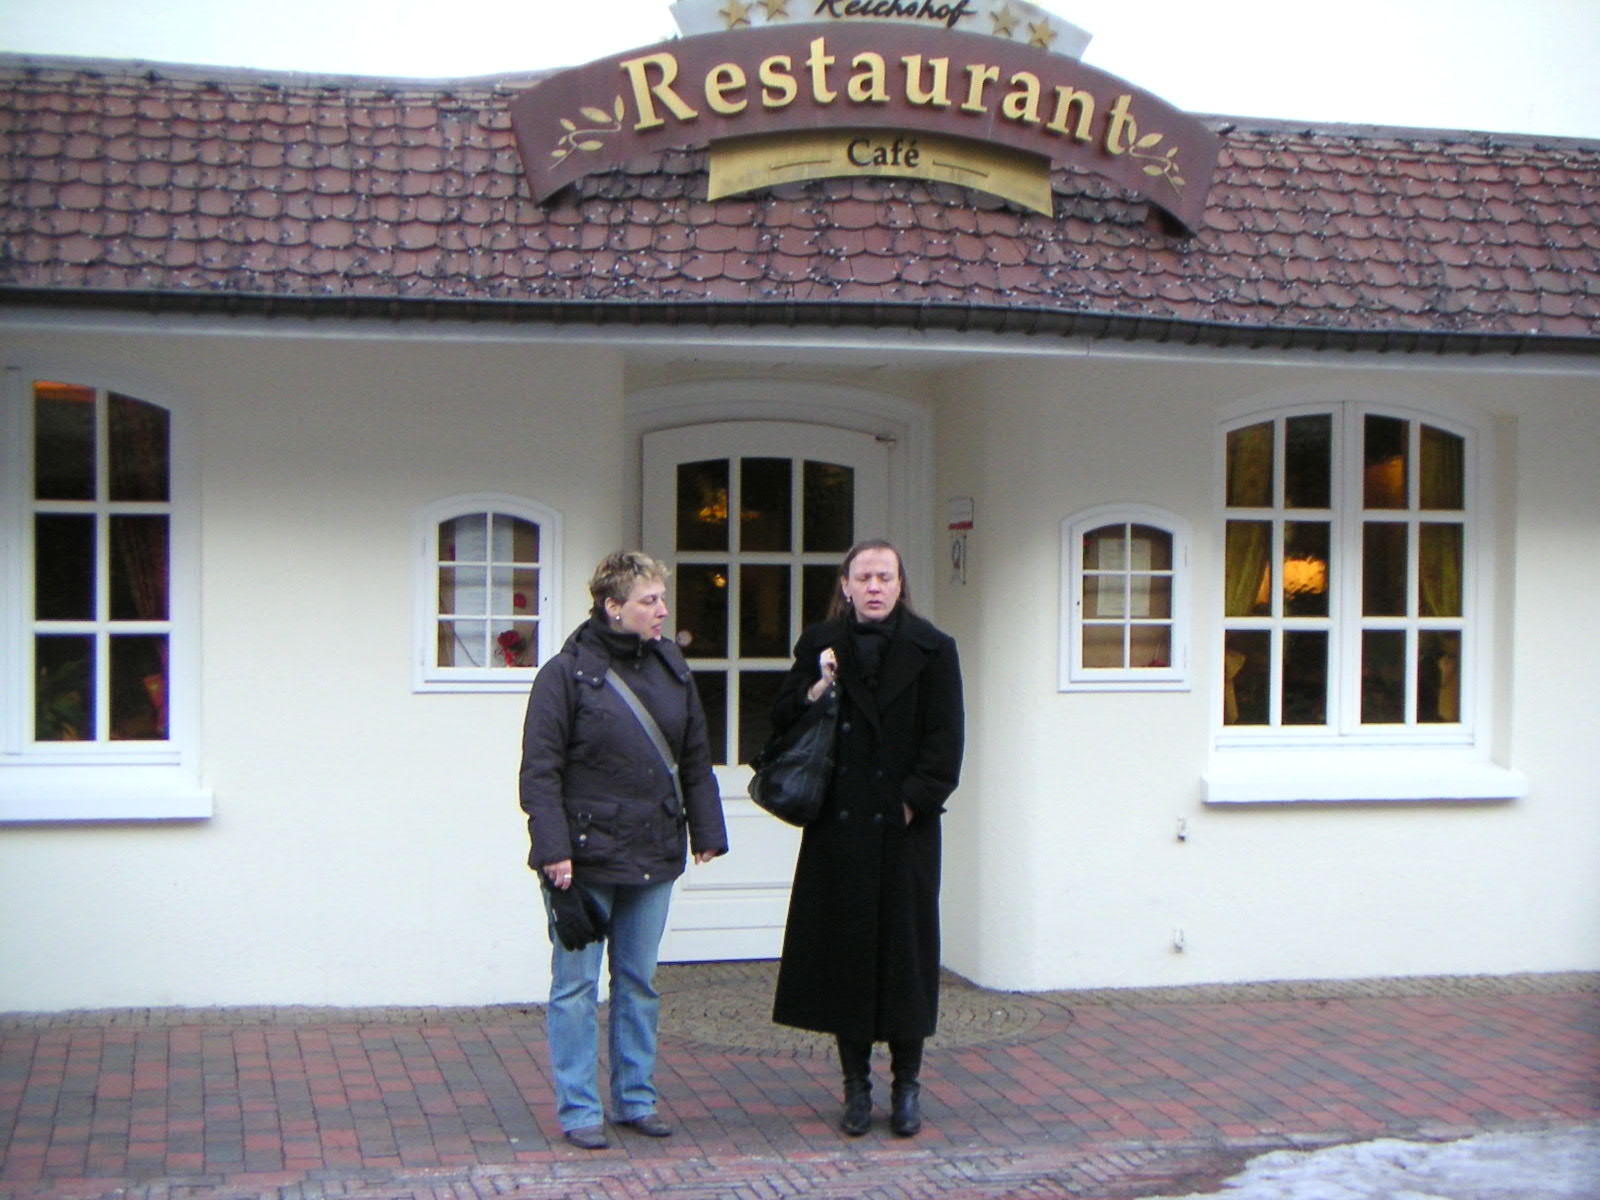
point(1107, 1095)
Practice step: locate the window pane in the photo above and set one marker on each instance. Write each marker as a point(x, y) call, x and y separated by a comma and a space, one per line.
point(1250, 466)
point(138, 569)
point(514, 644)
point(829, 508)
point(525, 591)
point(139, 688)
point(1384, 458)
point(64, 557)
point(1439, 571)
point(1106, 548)
point(1150, 549)
point(1444, 469)
point(463, 643)
point(1305, 678)
point(63, 442)
point(817, 587)
point(764, 612)
point(1150, 646)
point(703, 505)
point(1305, 568)
point(138, 436)
point(713, 689)
point(1249, 568)
point(1103, 596)
point(64, 699)
point(1383, 677)
point(757, 691)
point(464, 539)
point(1383, 569)
point(1246, 677)
point(1104, 646)
point(524, 540)
point(703, 610)
point(1438, 677)
point(765, 504)
point(1150, 596)
point(511, 538)
point(1308, 455)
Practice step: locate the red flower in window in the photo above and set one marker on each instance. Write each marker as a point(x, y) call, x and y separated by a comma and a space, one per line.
point(512, 645)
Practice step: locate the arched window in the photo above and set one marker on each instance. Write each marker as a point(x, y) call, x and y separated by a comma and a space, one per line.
point(98, 700)
point(1125, 606)
point(488, 579)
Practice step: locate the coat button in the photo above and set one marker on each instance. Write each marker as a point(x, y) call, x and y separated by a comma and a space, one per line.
point(877, 818)
point(647, 876)
point(844, 814)
point(845, 728)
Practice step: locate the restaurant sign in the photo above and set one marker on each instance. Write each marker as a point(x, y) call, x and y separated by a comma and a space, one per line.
point(794, 101)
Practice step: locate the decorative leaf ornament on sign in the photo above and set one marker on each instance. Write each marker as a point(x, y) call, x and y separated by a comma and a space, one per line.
point(793, 90)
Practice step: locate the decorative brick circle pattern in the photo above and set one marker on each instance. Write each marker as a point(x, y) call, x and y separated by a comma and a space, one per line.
point(728, 1006)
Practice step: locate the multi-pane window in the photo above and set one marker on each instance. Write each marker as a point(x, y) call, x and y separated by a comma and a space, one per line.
point(99, 528)
point(1346, 565)
point(488, 584)
point(757, 547)
point(1125, 612)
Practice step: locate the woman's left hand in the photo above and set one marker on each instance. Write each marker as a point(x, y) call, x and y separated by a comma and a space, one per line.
point(701, 857)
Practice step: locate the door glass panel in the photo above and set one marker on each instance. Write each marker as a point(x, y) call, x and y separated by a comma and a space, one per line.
point(1249, 568)
point(765, 506)
point(817, 585)
point(1305, 568)
point(1438, 677)
point(764, 612)
point(703, 505)
point(829, 508)
point(713, 689)
point(64, 557)
point(1246, 676)
point(1444, 469)
point(1305, 677)
point(138, 438)
point(1150, 646)
point(1439, 571)
point(63, 442)
point(1383, 677)
point(1384, 578)
point(1384, 459)
point(703, 609)
point(64, 701)
point(138, 569)
point(757, 692)
point(1308, 455)
point(1250, 466)
point(139, 688)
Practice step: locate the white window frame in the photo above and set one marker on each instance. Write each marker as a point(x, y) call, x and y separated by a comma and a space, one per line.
point(1074, 675)
point(1344, 760)
point(102, 780)
point(427, 674)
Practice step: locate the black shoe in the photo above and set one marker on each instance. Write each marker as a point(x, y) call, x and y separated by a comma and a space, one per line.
point(905, 1115)
point(857, 1116)
point(588, 1137)
point(650, 1125)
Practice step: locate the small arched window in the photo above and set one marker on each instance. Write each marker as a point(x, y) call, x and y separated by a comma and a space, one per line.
point(488, 578)
point(1125, 606)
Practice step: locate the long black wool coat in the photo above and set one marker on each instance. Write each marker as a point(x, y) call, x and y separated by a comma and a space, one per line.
point(861, 949)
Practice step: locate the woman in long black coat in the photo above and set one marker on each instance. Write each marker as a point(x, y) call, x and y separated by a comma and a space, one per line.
point(861, 949)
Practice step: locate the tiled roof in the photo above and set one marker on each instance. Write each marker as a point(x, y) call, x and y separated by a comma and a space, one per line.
point(126, 184)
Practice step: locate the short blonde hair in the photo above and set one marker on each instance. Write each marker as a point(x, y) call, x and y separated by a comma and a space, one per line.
point(618, 571)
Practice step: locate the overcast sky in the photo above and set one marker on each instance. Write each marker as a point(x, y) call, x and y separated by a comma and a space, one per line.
point(1506, 65)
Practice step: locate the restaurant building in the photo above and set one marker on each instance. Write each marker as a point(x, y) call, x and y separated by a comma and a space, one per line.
point(1253, 466)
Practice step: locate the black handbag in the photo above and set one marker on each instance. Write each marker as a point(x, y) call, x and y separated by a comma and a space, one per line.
point(793, 771)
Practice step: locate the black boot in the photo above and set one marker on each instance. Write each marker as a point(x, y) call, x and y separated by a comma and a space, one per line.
point(855, 1059)
point(905, 1113)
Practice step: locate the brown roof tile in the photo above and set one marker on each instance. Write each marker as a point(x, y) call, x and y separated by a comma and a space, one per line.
point(119, 177)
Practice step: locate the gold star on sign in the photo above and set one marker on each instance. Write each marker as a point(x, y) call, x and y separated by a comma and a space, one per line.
point(1041, 34)
point(1005, 21)
point(776, 9)
point(736, 14)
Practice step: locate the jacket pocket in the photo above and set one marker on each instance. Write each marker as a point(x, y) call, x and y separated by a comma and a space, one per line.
point(593, 826)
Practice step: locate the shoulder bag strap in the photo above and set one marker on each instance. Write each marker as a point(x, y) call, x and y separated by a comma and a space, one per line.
point(652, 730)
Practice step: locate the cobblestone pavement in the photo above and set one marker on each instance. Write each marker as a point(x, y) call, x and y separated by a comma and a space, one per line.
point(1105, 1095)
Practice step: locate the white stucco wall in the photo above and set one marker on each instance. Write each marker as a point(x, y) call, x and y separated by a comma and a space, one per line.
point(366, 845)
point(1065, 867)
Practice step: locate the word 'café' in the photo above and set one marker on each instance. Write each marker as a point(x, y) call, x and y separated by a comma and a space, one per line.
point(1269, 444)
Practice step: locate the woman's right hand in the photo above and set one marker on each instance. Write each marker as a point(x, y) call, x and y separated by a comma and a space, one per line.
point(828, 663)
point(559, 874)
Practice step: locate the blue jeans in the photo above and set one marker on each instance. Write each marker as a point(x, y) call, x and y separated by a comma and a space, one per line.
point(572, 1021)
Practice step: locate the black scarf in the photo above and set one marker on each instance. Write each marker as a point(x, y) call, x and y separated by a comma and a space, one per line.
point(870, 642)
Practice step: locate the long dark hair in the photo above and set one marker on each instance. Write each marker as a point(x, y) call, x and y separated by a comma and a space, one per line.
point(837, 607)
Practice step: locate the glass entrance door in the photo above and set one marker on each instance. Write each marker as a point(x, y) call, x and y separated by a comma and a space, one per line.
point(755, 518)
